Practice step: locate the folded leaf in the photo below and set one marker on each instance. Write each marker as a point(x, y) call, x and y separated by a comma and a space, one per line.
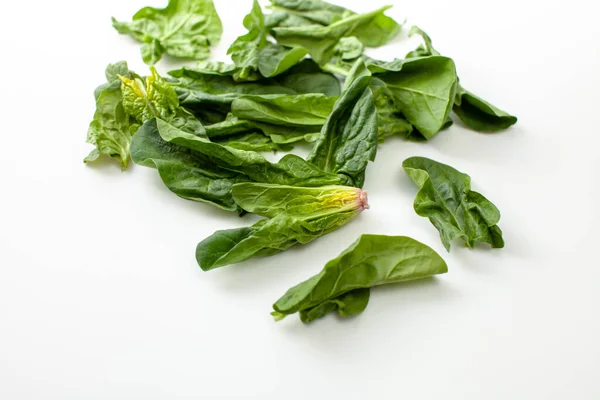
point(185, 28)
point(480, 115)
point(475, 112)
point(289, 224)
point(446, 198)
point(321, 41)
point(424, 90)
point(294, 13)
point(348, 140)
point(344, 283)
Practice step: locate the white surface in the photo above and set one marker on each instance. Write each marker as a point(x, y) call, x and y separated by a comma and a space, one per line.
point(101, 297)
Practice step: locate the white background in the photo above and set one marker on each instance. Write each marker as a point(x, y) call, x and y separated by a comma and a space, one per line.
point(101, 297)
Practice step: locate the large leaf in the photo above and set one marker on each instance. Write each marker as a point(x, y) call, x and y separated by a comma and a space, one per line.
point(446, 198)
point(343, 284)
point(348, 140)
point(321, 41)
point(290, 223)
point(185, 28)
point(424, 90)
point(199, 89)
point(475, 112)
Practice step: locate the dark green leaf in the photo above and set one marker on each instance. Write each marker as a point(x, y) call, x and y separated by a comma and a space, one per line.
point(445, 197)
point(185, 28)
point(348, 140)
point(343, 284)
point(480, 115)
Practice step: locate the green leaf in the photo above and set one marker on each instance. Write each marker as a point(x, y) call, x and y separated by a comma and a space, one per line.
point(348, 140)
point(198, 89)
point(282, 109)
point(274, 59)
point(245, 50)
point(343, 284)
point(185, 28)
point(480, 115)
point(348, 48)
point(198, 169)
point(475, 112)
point(294, 13)
point(321, 41)
point(110, 130)
point(253, 141)
point(270, 200)
point(347, 305)
point(156, 98)
point(289, 224)
point(424, 90)
point(425, 49)
point(445, 197)
point(186, 173)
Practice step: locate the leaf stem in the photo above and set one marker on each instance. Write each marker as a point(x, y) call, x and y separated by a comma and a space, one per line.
point(334, 69)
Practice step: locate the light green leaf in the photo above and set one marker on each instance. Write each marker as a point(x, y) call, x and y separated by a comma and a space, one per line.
point(275, 59)
point(185, 28)
point(290, 224)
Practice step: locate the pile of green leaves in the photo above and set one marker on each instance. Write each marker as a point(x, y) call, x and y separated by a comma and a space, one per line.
point(203, 128)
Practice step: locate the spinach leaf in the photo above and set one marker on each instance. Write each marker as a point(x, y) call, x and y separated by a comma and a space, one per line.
point(348, 140)
point(282, 109)
point(185, 28)
point(321, 41)
point(480, 115)
point(156, 98)
point(245, 50)
point(186, 173)
point(446, 198)
point(270, 200)
point(253, 141)
point(198, 169)
point(294, 13)
point(344, 283)
point(198, 89)
point(423, 89)
point(111, 129)
point(275, 59)
point(290, 222)
point(475, 112)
